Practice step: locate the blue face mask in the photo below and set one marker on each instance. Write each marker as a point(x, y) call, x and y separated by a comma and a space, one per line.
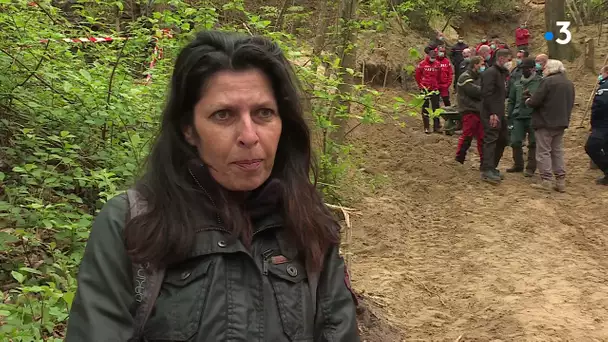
point(482, 68)
point(600, 78)
point(538, 66)
point(487, 57)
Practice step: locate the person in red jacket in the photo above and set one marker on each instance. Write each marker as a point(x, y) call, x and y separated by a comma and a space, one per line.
point(522, 37)
point(483, 42)
point(427, 77)
point(447, 76)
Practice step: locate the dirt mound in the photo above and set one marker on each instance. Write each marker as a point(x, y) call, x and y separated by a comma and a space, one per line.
point(372, 326)
point(446, 255)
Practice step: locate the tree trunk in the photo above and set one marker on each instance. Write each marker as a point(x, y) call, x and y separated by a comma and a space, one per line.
point(590, 54)
point(555, 10)
point(347, 53)
point(281, 17)
point(320, 32)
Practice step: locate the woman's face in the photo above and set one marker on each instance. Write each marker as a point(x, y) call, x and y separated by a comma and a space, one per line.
point(236, 128)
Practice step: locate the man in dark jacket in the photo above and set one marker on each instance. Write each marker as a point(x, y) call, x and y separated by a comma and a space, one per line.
point(514, 76)
point(485, 52)
point(464, 65)
point(521, 115)
point(516, 73)
point(439, 40)
point(597, 144)
point(457, 57)
point(552, 103)
point(469, 104)
point(496, 44)
point(493, 94)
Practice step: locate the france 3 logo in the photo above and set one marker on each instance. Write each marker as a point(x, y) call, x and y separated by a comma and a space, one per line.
point(563, 25)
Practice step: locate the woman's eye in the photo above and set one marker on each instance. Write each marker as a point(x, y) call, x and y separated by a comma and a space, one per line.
point(265, 113)
point(221, 115)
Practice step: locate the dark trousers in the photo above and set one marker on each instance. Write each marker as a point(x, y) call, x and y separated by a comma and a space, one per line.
point(433, 100)
point(446, 100)
point(521, 129)
point(597, 148)
point(494, 142)
point(471, 128)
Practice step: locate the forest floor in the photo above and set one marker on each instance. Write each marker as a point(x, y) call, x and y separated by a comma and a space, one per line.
point(439, 255)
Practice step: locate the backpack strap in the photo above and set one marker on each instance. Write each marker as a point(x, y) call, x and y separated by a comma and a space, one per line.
point(147, 281)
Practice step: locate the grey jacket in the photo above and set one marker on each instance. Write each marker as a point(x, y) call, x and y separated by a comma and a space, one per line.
point(552, 102)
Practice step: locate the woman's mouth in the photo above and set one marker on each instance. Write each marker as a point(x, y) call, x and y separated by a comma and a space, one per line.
point(249, 165)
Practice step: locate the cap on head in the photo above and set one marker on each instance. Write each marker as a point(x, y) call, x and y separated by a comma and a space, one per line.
point(527, 63)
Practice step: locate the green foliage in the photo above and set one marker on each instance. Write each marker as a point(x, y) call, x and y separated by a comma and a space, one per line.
point(77, 119)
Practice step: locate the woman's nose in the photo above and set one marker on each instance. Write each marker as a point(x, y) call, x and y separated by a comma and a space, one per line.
point(248, 135)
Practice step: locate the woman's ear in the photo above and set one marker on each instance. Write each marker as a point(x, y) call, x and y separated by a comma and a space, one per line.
point(190, 136)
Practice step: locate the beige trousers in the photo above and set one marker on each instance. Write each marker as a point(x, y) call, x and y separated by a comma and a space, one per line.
point(550, 153)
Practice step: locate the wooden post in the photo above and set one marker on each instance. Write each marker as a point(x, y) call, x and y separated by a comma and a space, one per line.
point(590, 54)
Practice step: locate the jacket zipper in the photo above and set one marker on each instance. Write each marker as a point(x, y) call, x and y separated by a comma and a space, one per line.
point(217, 216)
point(219, 220)
point(266, 255)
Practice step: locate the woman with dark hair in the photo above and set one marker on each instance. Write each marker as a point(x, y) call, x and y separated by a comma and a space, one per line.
point(233, 239)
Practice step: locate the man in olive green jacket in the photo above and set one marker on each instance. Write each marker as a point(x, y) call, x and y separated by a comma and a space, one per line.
point(521, 116)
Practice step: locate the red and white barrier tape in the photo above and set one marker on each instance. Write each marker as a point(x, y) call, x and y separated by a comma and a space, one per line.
point(85, 40)
point(156, 54)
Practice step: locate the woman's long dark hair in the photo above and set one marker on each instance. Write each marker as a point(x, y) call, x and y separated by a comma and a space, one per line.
point(165, 233)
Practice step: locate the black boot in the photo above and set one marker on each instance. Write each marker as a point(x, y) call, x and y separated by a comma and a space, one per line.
point(518, 160)
point(531, 166)
point(461, 155)
point(427, 124)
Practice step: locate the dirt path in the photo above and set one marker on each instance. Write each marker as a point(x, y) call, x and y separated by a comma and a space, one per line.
point(446, 255)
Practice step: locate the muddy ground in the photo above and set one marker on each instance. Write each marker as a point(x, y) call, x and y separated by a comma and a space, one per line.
point(443, 256)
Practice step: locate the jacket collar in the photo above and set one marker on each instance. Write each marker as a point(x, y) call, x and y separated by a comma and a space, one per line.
point(262, 204)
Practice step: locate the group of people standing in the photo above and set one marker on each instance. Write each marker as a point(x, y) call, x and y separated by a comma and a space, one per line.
point(505, 101)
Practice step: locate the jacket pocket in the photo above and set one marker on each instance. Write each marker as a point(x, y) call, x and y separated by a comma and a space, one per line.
point(178, 309)
point(290, 285)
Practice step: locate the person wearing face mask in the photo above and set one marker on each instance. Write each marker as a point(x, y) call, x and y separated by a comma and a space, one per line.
point(483, 42)
point(447, 76)
point(541, 61)
point(520, 117)
point(428, 73)
point(469, 104)
point(493, 94)
point(463, 66)
point(495, 45)
point(516, 73)
point(522, 37)
point(597, 143)
point(514, 76)
point(485, 52)
point(438, 40)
